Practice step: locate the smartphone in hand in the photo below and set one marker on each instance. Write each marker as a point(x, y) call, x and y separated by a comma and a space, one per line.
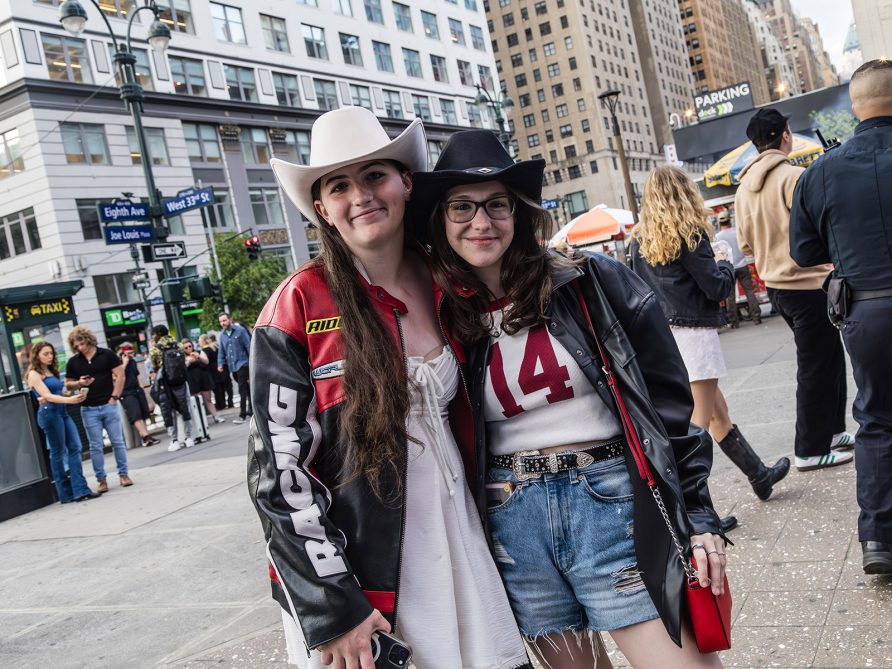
point(390, 652)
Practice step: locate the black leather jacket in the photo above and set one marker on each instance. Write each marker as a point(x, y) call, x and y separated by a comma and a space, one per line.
point(690, 288)
point(655, 388)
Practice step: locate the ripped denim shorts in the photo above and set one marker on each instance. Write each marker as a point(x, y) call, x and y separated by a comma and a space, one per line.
point(563, 544)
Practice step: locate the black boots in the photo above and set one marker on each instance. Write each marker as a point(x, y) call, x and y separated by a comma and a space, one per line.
point(762, 478)
point(877, 558)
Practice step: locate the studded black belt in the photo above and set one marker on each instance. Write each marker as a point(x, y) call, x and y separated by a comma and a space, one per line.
point(528, 465)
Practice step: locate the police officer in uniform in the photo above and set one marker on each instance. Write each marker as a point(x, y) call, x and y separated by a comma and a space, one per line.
point(842, 213)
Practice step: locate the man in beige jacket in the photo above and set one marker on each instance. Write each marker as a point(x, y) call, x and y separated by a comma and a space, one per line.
point(763, 204)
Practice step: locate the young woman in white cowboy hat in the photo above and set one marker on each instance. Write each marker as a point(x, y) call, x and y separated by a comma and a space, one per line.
point(362, 437)
point(579, 540)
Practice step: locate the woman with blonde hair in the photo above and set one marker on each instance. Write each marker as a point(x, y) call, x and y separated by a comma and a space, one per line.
point(671, 250)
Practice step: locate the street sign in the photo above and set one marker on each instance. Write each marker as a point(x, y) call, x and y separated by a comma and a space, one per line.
point(715, 104)
point(163, 251)
point(129, 234)
point(551, 204)
point(122, 210)
point(187, 200)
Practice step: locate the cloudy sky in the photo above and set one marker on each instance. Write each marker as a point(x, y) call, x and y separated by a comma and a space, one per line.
point(833, 18)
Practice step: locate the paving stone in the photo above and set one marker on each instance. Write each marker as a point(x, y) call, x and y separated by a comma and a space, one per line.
point(861, 607)
point(785, 608)
point(772, 647)
point(867, 646)
point(798, 576)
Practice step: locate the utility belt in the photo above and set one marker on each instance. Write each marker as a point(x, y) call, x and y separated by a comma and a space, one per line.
point(528, 465)
point(840, 298)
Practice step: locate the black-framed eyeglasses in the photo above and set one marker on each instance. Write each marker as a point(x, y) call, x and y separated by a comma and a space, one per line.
point(497, 208)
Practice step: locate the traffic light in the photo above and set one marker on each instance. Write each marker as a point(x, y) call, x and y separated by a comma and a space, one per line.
point(199, 288)
point(252, 244)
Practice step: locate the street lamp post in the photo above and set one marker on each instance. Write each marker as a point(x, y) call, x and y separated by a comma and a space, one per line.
point(610, 99)
point(501, 105)
point(73, 18)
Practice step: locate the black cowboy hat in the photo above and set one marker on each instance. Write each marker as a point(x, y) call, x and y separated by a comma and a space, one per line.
point(472, 156)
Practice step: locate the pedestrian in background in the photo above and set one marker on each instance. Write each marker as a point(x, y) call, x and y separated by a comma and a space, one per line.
point(170, 384)
point(62, 439)
point(133, 396)
point(671, 251)
point(198, 374)
point(728, 234)
point(762, 207)
point(209, 347)
point(101, 371)
point(234, 352)
point(842, 213)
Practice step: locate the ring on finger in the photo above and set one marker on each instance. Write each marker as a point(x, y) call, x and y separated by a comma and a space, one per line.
point(713, 552)
point(696, 546)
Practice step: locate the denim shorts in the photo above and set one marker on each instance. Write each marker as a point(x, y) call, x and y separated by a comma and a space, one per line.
point(564, 546)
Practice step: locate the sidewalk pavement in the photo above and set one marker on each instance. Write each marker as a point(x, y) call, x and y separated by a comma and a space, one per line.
point(172, 572)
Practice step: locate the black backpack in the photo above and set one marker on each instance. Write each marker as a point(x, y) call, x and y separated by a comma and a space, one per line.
point(173, 366)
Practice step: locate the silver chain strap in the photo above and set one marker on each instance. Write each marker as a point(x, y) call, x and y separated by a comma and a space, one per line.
point(658, 498)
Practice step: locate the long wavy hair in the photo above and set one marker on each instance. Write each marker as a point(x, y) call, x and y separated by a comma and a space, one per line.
point(525, 274)
point(376, 402)
point(37, 365)
point(672, 213)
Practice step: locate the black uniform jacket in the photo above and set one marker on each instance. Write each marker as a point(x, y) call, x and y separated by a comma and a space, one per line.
point(654, 384)
point(334, 548)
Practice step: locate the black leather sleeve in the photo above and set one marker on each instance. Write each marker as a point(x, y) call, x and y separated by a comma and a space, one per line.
point(305, 549)
point(715, 279)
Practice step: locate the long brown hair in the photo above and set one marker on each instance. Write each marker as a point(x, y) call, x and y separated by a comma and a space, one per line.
point(525, 275)
point(376, 401)
point(37, 366)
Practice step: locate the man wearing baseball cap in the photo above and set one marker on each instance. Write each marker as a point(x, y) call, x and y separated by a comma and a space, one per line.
point(762, 205)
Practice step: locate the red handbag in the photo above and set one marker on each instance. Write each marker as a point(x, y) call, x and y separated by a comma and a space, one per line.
point(710, 614)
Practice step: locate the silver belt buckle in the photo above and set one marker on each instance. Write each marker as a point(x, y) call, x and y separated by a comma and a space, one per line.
point(517, 467)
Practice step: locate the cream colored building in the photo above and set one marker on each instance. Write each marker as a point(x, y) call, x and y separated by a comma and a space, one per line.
point(873, 19)
point(779, 75)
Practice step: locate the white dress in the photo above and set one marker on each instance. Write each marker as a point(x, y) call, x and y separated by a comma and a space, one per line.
point(452, 608)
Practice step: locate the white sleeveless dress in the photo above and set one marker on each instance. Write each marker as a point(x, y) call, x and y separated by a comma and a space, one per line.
point(452, 608)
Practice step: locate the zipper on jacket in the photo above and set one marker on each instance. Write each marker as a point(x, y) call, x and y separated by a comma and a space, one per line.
point(405, 476)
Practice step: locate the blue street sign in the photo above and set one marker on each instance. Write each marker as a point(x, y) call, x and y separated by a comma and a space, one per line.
point(187, 200)
point(123, 210)
point(129, 234)
point(157, 300)
point(551, 204)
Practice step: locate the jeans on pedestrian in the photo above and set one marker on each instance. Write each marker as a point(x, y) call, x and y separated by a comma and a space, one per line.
point(746, 282)
point(107, 417)
point(241, 376)
point(821, 369)
point(866, 335)
point(64, 445)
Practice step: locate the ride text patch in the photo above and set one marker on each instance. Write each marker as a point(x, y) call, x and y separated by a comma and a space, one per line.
point(321, 325)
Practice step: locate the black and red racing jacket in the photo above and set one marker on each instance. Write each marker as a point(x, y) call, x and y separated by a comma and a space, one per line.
point(333, 547)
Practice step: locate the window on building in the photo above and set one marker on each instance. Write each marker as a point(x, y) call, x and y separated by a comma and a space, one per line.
point(202, 144)
point(286, 88)
point(220, 214)
point(572, 63)
point(350, 49)
point(586, 125)
point(471, 4)
point(465, 73)
point(240, 83)
point(523, 100)
point(578, 203)
point(422, 107)
point(485, 77)
point(255, 146)
point(580, 104)
point(474, 116)
point(155, 143)
point(456, 32)
point(512, 40)
point(393, 104)
point(266, 205)
point(360, 96)
point(529, 120)
point(383, 60)
point(541, 7)
point(546, 117)
point(10, 157)
point(561, 111)
point(508, 19)
point(373, 11)
point(568, 42)
point(326, 95)
point(19, 233)
point(549, 49)
point(228, 25)
point(589, 146)
point(516, 60)
point(188, 76)
point(89, 218)
point(565, 23)
point(593, 166)
point(557, 176)
point(447, 108)
point(429, 22)
point(308, 3)
point(545, 28)
point(412, 63)
point(140, 68)
point(574, 172)
point(85, 143)
point(314, 41)
point(533, 140)
point(569, 152)
point(176, 15)
point(520, 80)
point(403, 16)
point(434, 148)
point(566, 130)
point(557, 90)
point(438, 65)
point(554, 70)
point(297, 146)
point(66, 59)
point(275, 36)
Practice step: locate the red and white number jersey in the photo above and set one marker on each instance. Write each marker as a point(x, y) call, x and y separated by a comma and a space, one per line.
point(536, 395)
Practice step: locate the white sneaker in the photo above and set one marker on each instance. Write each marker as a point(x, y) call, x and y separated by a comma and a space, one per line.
point(219, 419)
point(832, 459)
point(238, 421)
point(190, 442)
point(174, 447)
point(843, 441)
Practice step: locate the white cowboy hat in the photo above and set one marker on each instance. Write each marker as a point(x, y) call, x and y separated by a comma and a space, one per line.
point(342, 137)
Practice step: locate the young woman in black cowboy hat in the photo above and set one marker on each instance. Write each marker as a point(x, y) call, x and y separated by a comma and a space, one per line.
point(362, 433)
point(579, 541)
